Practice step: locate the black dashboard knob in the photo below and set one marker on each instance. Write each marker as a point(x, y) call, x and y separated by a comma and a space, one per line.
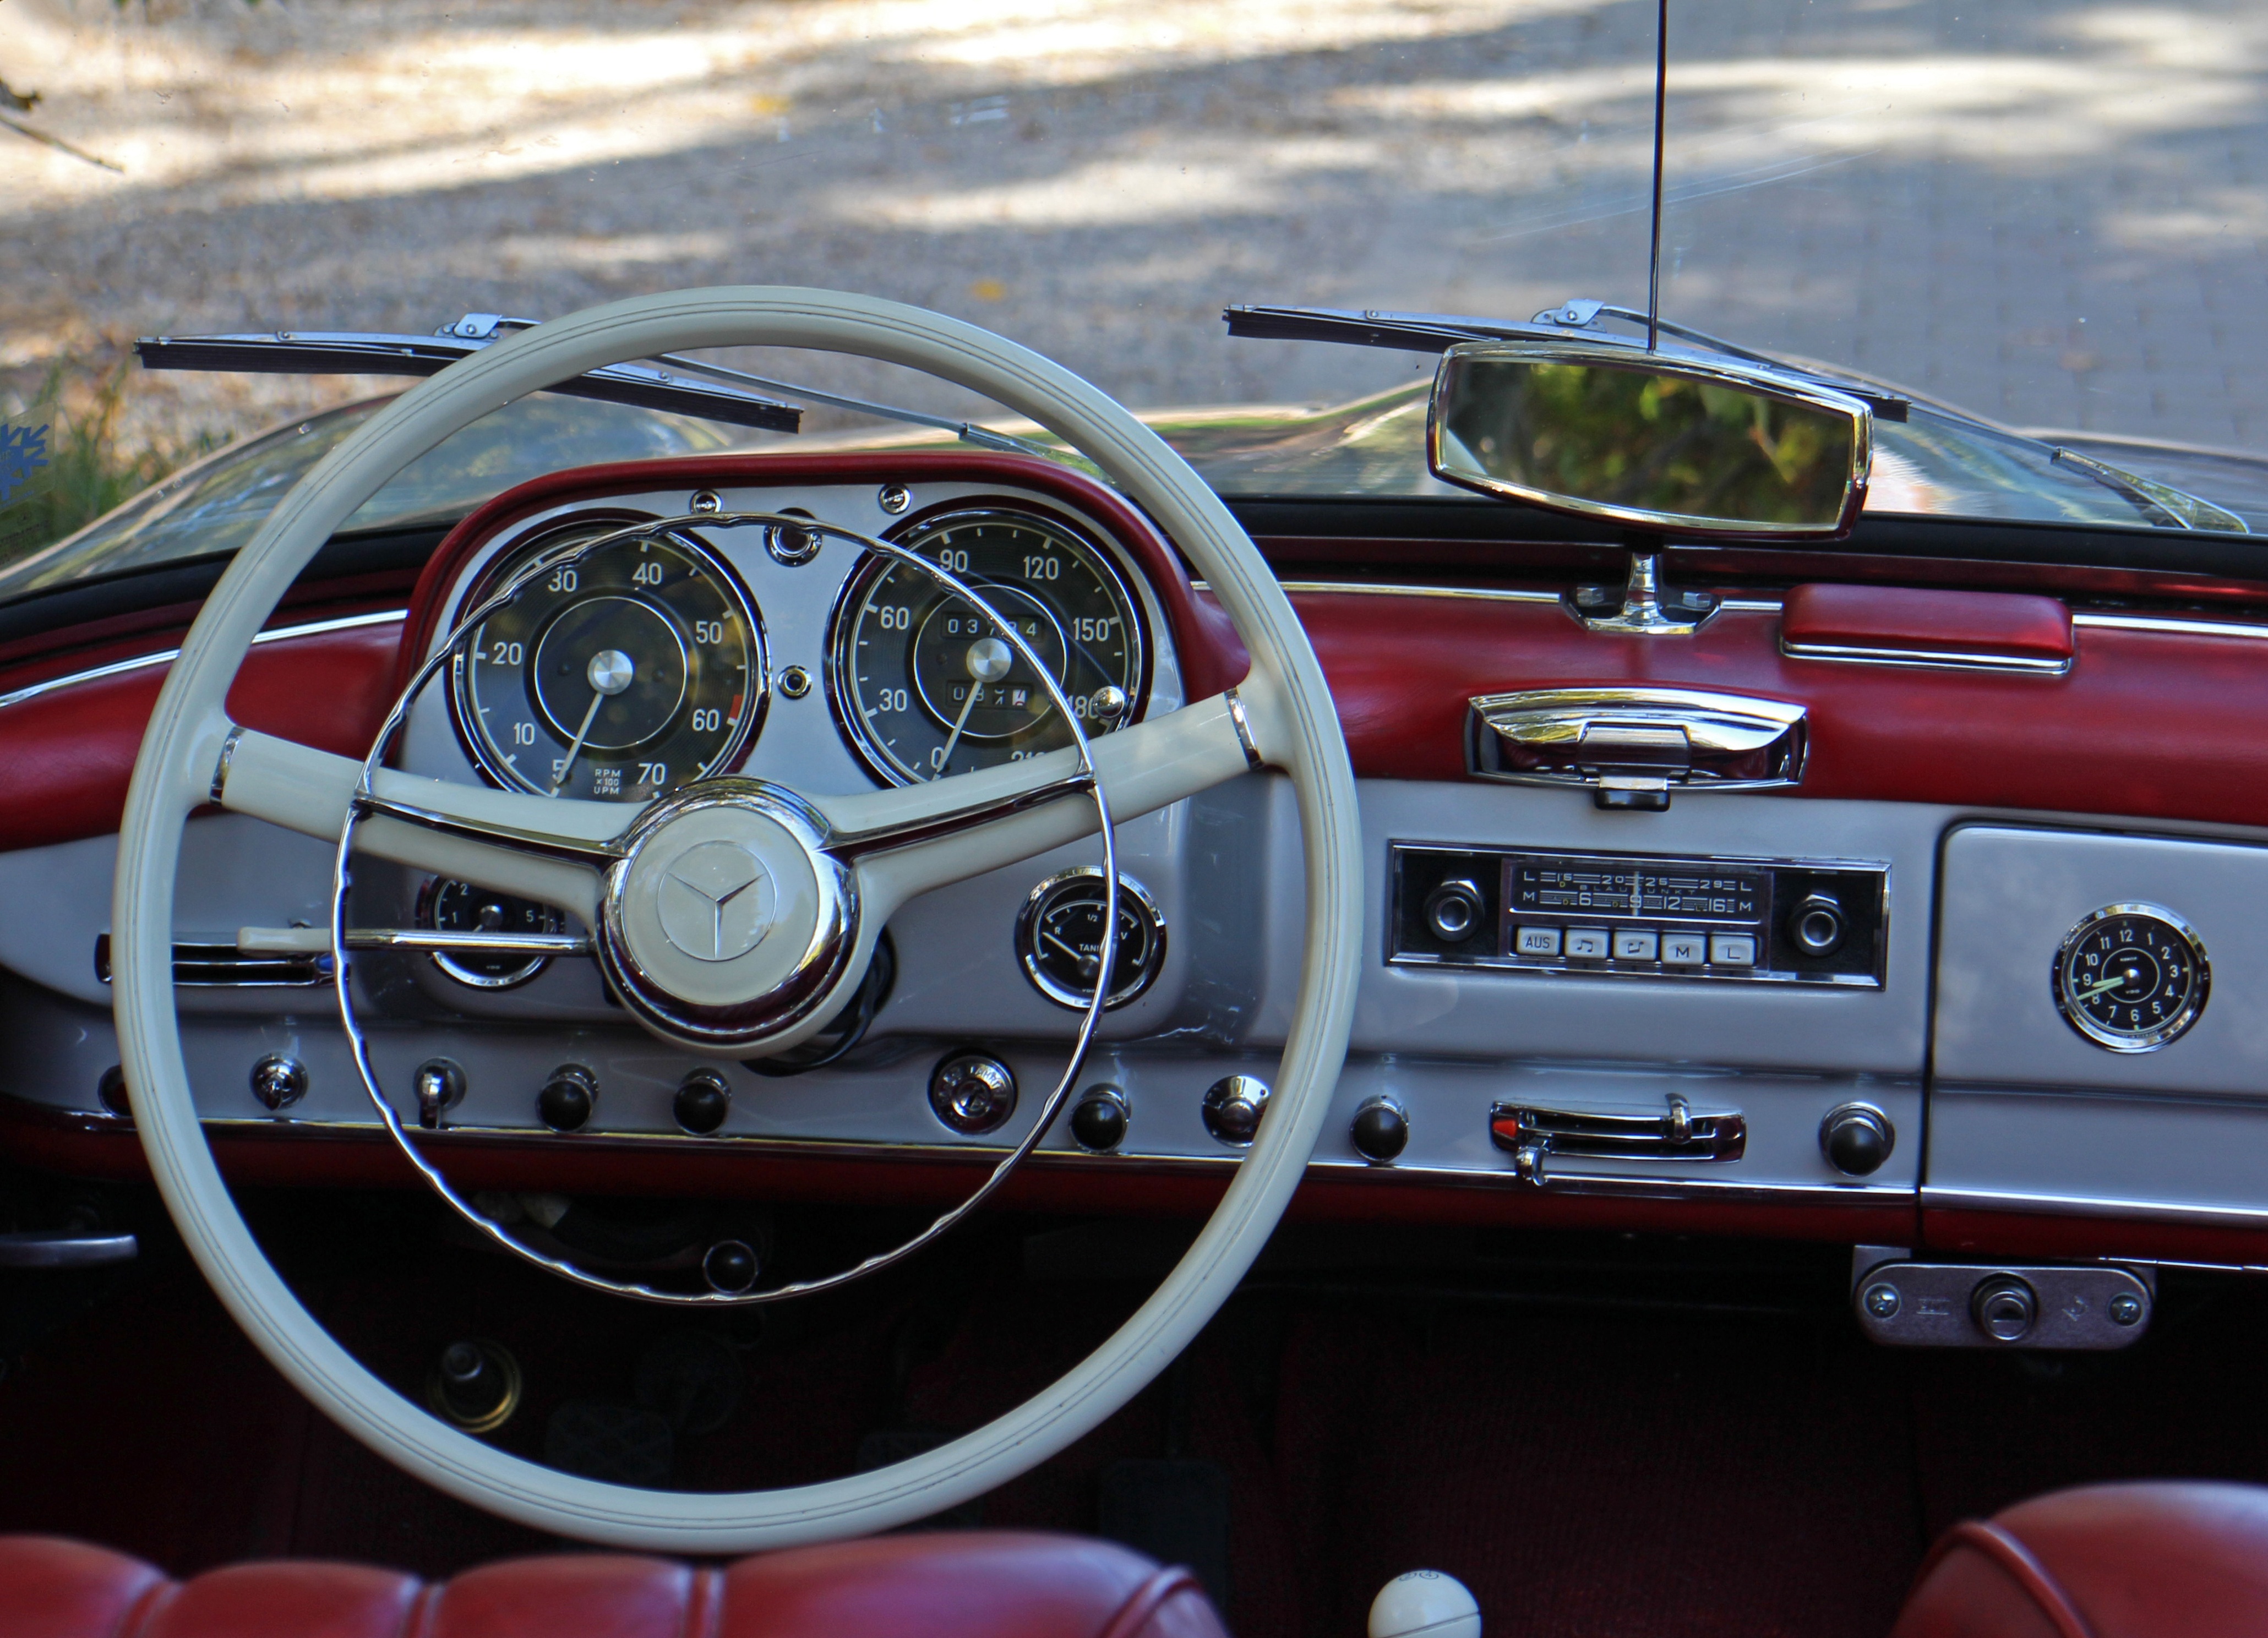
point(729, 1266)
point(1817, 924)
point(1380, 1130)
point(1857, 1139)
point(704, 1098)
point(568, 1098)
point(1098, 1120)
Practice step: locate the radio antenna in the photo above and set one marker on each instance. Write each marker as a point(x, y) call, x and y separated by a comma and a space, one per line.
point(1660, 99)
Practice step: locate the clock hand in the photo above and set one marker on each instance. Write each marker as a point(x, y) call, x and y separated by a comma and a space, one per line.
point(2108, 983)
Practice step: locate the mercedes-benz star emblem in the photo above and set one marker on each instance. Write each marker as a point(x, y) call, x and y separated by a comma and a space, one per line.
point(715, 901)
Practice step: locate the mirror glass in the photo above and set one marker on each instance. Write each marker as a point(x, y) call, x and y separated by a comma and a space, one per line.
point(1648, 442)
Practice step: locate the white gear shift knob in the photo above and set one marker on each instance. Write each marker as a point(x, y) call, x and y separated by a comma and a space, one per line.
point(1424, 1601)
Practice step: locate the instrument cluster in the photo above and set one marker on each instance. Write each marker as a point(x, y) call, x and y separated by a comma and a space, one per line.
point(617, 663)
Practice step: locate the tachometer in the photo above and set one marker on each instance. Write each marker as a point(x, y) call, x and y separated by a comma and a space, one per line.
point(618, 674)
point(926, 685)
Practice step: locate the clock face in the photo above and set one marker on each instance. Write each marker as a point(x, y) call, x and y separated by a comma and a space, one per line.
point(2131, 977)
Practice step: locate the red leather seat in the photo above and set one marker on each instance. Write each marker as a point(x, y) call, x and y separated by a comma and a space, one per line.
point(938, 1586)
point(2128, 1560)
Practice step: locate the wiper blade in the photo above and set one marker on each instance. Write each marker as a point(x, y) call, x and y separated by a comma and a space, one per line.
point(648, 384)
point(1434, 333)
point(2188, 511)
point(666, 382)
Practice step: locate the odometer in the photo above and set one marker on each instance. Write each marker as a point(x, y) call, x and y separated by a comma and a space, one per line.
point(926, 684)
point(618, 672)
point(2131, 977)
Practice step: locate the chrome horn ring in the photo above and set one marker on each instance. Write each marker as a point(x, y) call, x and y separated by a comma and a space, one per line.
point(833, 939)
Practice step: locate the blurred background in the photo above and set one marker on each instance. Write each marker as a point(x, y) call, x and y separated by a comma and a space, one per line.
point(2052, 212)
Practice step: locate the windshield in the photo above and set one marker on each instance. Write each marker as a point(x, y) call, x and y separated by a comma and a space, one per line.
point(2044, 212)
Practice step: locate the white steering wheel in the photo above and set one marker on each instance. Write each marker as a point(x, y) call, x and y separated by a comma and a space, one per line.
point(908, 841)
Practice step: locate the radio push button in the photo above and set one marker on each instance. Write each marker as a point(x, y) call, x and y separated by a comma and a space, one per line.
point(1638, 943)
point(1684, 949)
point(1586, 943)
point(1732, 949)
point(1538, 941)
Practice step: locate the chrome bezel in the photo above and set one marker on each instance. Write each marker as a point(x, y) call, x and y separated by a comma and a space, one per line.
point(2159, 1035)
point(1132, 895)
point(518, 569)
point(851, 722)
point(427, 916)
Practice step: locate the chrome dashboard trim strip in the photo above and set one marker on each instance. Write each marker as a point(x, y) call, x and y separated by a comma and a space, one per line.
point(2095, 1206)
point(167, 657)
point(2175, 625)
point(1933, 659)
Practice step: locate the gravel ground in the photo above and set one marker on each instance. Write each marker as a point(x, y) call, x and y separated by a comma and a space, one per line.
point(2052, 212)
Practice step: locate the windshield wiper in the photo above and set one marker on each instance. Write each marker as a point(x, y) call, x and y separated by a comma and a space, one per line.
point(2188, 511)
point(666, 382)
point(1434, 333)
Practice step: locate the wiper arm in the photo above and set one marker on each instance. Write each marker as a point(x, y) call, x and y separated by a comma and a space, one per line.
point(666, 382)
point(1433, 333)
point(2188, 511)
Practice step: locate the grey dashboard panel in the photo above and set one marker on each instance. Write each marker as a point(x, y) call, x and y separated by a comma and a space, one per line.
point(2010, 895)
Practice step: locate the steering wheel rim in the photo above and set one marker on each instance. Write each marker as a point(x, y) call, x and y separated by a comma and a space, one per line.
point(174, 773)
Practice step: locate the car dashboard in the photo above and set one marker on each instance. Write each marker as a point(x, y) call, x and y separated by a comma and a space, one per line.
point(1856, 953)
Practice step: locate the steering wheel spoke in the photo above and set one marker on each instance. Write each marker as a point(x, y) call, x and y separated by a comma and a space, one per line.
point(908, 842)
point(551, 849)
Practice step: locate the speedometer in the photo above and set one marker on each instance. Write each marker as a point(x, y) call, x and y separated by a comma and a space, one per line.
point(618, 672)
point(926, 684)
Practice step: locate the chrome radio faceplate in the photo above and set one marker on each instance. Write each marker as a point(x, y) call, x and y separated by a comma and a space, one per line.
point(1639, 916)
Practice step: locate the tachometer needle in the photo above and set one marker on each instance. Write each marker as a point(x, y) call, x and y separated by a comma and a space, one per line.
point(610, 671)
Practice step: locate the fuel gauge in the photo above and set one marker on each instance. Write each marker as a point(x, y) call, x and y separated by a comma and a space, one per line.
point(1059, 938)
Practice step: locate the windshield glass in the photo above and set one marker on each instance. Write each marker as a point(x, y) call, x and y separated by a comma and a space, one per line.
point(2044, 212)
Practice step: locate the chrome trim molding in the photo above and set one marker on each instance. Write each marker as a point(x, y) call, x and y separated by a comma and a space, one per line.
point(1940, 659)
point(167, 657)
point(2095, 1206)
point(1243, 724)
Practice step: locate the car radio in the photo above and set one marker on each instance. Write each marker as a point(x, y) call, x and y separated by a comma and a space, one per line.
point(1639, 915)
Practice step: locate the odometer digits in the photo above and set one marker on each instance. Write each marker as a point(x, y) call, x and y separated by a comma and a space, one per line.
point(619, 674)
point(928, 686)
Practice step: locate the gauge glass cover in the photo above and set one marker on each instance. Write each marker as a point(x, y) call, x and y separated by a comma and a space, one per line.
point(618, 674)
point(923, 684)
point(450, 906)
point(1059, 939)
point(2131, 977)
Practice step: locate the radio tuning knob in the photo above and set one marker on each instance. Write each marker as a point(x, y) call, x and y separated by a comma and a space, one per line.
point(1857, 1138)
point(1453, 911)
point(1817, 924)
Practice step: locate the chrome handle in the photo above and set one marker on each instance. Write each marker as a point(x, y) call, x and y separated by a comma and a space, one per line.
point(1531, 1135)
point(1639, 741)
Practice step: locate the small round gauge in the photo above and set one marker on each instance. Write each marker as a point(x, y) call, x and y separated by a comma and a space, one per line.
point(460, 908)
point(2131, 977)
point(619, 674)
point(925, 685)
point(1059, 938)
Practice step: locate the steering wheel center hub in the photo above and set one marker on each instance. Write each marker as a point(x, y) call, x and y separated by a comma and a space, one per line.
point(725, 922)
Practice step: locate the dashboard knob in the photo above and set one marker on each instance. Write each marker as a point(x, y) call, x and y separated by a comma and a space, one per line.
point(568, 1098)
point(2004, 1307)
point(1424, 1601)
point(704, 1098)
point(1232, 1107)
point(440, 1086)
point(1098, 1120)
point(729, 1266)
point(279, 1081)
point(476, 1385)
point(1857, 1138)
point(1817, 924)
point(972, 1092)
point(1453, 911)
point(1380, 1130)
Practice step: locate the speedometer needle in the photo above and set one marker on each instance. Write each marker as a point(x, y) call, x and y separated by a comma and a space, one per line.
point(610, 671)
point(988, 659)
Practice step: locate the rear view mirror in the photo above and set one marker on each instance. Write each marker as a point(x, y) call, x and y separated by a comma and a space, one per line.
point(1700, 447)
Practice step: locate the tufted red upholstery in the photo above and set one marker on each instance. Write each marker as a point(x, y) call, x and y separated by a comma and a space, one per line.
point(2128, 1560)
point(941, 1586)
